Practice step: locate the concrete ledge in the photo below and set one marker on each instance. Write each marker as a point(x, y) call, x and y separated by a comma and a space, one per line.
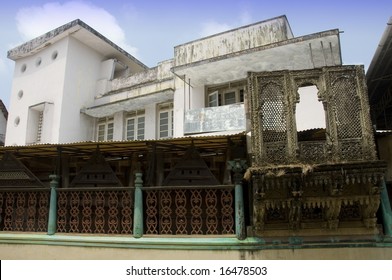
point(191, 243)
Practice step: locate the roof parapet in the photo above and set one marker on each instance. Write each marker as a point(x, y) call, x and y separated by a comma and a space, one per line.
point(40, 42)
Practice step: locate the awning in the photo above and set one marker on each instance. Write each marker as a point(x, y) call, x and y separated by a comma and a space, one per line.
point(213, 144)
point(129, 104)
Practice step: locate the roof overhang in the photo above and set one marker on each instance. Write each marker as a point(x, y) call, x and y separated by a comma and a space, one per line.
point(130, 104)
point(84, 33)
point(123, 149)
point(307, 52)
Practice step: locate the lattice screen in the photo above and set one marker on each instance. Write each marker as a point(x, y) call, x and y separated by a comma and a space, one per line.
point(273, 113)
point(342, 90)
point(347, 108)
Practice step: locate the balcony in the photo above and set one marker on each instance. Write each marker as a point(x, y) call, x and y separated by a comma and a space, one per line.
point(215, 119)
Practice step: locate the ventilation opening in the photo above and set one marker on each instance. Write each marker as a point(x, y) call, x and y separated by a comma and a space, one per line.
point(310, 115)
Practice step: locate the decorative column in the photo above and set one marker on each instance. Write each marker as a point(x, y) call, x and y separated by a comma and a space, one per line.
point(238, 167)
point(138, 206)
point(386, 209)
point(52, 220)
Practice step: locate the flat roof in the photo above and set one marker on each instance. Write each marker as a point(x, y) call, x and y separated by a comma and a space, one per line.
point(83, 33)
point(306, 52)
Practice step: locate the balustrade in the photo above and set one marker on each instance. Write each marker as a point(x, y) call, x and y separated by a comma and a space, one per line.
point(24, 210)
point(201, 210)
point(97, 211)
point(169, 210)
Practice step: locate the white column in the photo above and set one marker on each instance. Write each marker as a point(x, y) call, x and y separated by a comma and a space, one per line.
point(151, 121)
point(118, 133)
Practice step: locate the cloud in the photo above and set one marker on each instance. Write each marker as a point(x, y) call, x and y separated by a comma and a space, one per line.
point(36, 20)
point(213, 27)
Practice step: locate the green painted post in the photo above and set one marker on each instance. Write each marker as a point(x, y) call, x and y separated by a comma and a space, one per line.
point(386, 210)
point(238, 167)
point(52, 220)
point(138, 207)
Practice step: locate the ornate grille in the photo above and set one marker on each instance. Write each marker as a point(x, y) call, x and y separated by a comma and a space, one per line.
point(272, 103)
point(345, 102)
point(351, 150)
point(312, 151)
point(189, 211)
point(100, 211)
point(273, 118)
point(275, 152)
point(24, 211)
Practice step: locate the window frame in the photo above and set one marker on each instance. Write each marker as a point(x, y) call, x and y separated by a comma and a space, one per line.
point(137, 118)
point(108, 129)
point(166, 108)
point(217, 95)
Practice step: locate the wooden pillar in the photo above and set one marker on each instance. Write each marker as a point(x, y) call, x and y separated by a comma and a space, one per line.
point(238, 167)
point(138, 207)
point(52, 220)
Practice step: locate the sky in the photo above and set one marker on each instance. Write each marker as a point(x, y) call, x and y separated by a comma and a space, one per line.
point(149, 30)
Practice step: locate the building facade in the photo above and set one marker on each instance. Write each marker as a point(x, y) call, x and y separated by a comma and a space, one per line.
point(88, 89)
point(203, 152)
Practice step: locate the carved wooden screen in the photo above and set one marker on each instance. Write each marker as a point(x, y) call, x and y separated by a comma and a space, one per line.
point(342, 89)
point(350, 118)
point(347, 108)
point(273, 122)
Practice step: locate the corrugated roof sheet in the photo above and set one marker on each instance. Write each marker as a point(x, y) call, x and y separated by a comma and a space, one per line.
point(125, 148)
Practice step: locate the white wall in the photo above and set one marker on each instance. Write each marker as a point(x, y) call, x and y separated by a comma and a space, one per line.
point(83, 69)
point(197, 98)
point(68, 82)
point(150, 129)
point(40, 82)
point(118, 126)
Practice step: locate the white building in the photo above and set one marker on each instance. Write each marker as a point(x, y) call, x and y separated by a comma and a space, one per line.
point(72, 84)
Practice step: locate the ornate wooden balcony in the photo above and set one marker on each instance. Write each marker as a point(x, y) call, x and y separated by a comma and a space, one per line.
point(317, 182)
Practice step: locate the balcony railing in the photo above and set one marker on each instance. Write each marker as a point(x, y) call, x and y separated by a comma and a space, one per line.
point(215, 119)
point(169, 210)
point(97, 211)
point(204, 210)
point(24, 209)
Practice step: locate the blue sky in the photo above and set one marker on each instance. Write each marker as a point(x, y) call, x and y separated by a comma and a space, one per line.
point(150, 29)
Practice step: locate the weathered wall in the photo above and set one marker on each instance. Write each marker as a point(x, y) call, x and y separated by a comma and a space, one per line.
point(159, 73)
point(236, 40)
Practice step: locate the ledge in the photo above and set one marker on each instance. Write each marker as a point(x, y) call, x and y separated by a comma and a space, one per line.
point(195, 243)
